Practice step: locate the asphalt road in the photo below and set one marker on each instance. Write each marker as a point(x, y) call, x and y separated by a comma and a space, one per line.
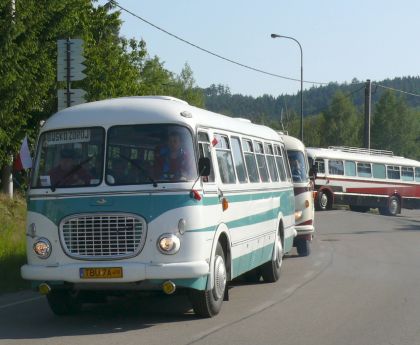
point(361, 285)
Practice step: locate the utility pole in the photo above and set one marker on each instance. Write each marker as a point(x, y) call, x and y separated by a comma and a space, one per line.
point(368, 101)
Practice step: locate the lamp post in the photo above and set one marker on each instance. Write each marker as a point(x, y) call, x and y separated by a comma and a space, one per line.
point(301, 80)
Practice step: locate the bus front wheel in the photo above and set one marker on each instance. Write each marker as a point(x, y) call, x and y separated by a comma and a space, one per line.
point(63, 302)
point(208, 303)
point(303, 246)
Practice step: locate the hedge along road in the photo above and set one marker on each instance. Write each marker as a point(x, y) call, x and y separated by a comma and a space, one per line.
point(359, 286)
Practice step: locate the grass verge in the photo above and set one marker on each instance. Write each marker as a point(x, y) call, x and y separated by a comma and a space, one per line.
point(12, 243)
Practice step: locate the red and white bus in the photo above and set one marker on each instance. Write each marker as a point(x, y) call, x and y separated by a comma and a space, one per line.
point(303, 189)
point(364, 179)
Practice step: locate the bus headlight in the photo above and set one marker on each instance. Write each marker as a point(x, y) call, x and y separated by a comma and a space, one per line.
point(298, 215)
point(42, 248)
point(168, 244)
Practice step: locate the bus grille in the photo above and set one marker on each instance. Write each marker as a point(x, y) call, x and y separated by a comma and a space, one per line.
point(101, 237)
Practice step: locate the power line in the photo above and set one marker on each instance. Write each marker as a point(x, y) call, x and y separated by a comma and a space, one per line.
point(397, 90)
point(115, 3)
point(348, 95)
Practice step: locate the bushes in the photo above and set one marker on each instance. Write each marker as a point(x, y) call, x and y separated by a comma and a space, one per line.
point(12, 243)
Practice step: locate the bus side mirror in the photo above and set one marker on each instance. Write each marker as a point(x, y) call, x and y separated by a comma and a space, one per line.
point(204, 166)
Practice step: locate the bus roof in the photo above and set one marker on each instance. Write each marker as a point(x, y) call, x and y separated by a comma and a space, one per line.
point(292, 143)
point(151, 110)
point(315, 152)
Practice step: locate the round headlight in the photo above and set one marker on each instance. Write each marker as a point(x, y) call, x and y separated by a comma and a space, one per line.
point(298, 215)
point(42, 248)
point(168, 244)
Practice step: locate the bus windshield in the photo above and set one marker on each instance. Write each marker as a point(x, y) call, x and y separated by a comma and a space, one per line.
point(141, 154)
point(297, 166)
point(69, 158)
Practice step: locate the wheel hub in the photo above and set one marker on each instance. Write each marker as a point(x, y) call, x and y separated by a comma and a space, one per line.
point(324, 200)
point(219, 277)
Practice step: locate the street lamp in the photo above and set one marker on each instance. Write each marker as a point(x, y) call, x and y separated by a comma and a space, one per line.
point(301, 80)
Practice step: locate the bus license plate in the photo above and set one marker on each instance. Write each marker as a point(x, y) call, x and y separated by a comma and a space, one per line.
point(101, 272)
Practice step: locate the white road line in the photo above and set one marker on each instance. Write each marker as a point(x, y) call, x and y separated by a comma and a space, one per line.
point(20, 302)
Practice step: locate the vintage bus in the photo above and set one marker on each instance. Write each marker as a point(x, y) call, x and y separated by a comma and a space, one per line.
point(364, 179)
point(150, 193)
point(303, 189)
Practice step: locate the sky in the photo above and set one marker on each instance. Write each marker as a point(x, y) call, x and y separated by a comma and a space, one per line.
point(341, 40)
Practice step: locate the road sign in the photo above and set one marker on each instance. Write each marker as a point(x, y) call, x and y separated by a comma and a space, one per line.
point(76, 97)
point(70, 60)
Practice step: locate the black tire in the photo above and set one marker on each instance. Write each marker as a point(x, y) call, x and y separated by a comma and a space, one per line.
point(362, 209)
point(303, 246)
point(209, 303)
point(252, 276)
point(63, 302)
point(323, 201)
point(394, 207)
point(271, 270)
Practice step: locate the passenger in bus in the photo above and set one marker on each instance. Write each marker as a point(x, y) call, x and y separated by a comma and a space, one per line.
point(119, 172)
point(68, 172)
point(173, 162)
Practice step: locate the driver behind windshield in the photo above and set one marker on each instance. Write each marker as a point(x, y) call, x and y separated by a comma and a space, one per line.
point(67, 172)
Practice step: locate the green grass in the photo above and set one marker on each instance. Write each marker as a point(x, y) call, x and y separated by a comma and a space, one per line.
point(12, 243)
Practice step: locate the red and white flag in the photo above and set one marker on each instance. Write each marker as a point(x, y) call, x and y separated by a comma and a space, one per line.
point(23, 160)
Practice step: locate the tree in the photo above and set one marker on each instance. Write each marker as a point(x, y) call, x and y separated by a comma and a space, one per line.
point(342, 122)
point(115, 66)
point(183, 86)
point(313, 131)
point(395, 127)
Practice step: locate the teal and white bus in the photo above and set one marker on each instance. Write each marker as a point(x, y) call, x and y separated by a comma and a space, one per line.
point(150, 193)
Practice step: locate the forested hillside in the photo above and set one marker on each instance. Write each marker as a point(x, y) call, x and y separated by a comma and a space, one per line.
point(334, 114)
point(218, 98)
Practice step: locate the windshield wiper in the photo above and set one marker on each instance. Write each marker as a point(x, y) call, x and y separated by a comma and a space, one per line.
point(70, 173)
point(142, 169)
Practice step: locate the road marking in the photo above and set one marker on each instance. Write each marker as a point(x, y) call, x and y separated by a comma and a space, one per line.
point(20, 302)
point(291, 289)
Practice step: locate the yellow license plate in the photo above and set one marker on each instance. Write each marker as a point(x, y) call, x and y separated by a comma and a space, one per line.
point(101, 272)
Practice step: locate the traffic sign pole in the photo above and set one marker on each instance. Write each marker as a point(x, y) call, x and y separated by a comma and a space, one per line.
point(68, 72)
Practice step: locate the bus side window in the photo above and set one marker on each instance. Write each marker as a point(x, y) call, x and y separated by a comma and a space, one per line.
point(335, 167)
point(271, 162)
point(407, 174)
point(379, 170)
point(250, 161)
point(204, 151)
point(286, 164)
point(393, 172)
point(350, 168)
point(239, 159)
point(224, 159)
point(280, 163)
point(262, 164)
point(364, 169)
point(417, 174)
point(320, 165)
